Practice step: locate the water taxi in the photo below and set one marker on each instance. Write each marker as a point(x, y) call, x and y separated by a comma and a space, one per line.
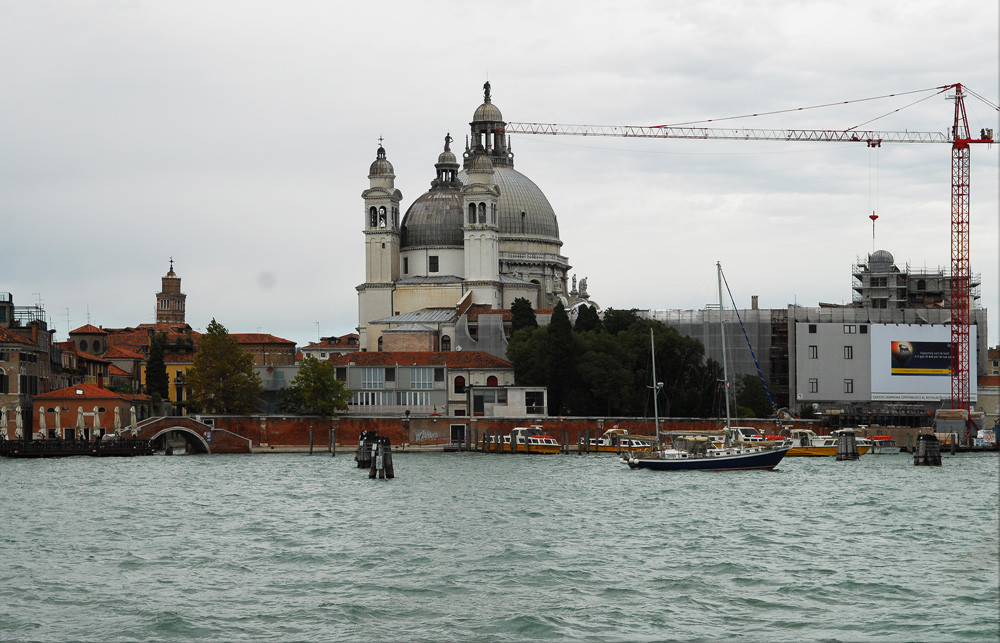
point(529, 439)
point(884, 445)
point(615, 440)
point(805, 443)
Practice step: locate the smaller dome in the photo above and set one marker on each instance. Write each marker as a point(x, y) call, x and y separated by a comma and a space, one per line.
point(380, 166)
point(447, 157)
point(487, 112)
point(481, 165)
point(881, 256)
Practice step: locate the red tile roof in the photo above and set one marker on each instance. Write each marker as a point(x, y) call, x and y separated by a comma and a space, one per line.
point(114, 370)
point(89, 329)
point(10, 337)
point(451, 359)
point(132, 337)
point(259, 338)
point(88, 391)
point(122, 352)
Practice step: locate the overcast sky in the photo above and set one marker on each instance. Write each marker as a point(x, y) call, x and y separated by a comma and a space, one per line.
point(235, 137)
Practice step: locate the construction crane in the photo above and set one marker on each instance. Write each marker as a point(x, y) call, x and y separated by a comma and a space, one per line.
point(960, 137)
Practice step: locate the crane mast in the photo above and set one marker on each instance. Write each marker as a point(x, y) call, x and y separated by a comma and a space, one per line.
point(959, 136)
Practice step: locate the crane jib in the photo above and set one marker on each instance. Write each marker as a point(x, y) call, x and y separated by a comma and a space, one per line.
point(872, 138)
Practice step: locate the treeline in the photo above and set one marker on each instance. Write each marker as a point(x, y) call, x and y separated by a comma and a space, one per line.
point(604, 367)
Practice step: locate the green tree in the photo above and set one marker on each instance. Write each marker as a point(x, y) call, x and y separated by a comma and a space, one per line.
point(561, 360)
point(522, 315)
point(527, 353)
point(157, 380)
point(222, 379)
point(315, 390)
point(751, 393)
point(615, 321)
point(587, 319)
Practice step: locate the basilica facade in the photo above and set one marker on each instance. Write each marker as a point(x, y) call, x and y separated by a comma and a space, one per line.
point(482, 236)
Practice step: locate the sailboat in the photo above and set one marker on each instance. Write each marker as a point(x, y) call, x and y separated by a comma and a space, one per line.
point(699, 452)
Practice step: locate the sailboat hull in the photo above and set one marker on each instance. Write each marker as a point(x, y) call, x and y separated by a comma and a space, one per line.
point(767, 459)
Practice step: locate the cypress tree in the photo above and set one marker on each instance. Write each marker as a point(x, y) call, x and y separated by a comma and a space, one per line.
point(157, 381)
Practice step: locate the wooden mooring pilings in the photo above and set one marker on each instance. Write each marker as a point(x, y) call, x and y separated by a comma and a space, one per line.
point(928, 451)
point(375, 454)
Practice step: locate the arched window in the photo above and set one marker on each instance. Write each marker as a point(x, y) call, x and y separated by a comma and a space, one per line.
point(460, 384)
point(482, 213)
point(380, 344)
point(445, 343)
point(472, 213)
point(83, 344)
point(492, 381)
point(373, 217)
point(381, 217)
point(493, 213)
point(921, 284)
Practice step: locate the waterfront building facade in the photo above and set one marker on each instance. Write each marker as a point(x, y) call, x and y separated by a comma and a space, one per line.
point(455, 383)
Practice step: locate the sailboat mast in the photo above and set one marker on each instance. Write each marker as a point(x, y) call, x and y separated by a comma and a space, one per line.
point(722, 325)
point(655, 387)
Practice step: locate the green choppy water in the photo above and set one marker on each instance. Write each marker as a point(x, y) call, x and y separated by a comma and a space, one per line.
point(475, 547)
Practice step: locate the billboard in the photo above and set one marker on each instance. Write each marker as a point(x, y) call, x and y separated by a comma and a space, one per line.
point(912, 362)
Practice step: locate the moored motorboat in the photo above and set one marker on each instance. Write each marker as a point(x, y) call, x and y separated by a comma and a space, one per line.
point(617, 440)
point(529, 439)
point(884, 445)
point(805, 443)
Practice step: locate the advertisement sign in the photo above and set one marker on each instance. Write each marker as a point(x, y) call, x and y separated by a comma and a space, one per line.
point(912, 362)
point(921, 358)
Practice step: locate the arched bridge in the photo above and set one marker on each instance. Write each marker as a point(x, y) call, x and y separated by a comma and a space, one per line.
point(200, 437)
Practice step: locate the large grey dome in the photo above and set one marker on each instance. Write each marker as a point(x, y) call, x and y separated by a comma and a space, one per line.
point(435, 219)
point(519, 194)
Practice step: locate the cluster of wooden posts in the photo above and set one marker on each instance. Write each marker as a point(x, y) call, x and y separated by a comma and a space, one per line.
point(928, 451)
point(375, 454)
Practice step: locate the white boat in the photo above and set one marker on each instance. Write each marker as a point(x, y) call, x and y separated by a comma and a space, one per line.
point(884, 445)
point(697, 452)
point(617, 440)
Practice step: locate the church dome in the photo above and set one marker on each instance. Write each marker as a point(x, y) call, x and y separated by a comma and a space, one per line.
point(381, 165)
point(487, 112)
point(435, 219)
point(519, 194)
point(447, 157)
point(481, 165)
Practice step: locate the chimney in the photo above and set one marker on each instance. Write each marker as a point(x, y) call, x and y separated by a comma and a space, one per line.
point(753, 302)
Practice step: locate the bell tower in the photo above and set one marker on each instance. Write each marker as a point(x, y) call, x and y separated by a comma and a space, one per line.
point(381, 222)
point(170, 300)
point(481, 230)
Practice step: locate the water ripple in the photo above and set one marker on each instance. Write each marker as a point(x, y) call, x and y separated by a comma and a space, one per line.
point(488, 548)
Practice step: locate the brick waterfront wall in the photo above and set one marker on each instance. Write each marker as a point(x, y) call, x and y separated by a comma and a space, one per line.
point(291, 431)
